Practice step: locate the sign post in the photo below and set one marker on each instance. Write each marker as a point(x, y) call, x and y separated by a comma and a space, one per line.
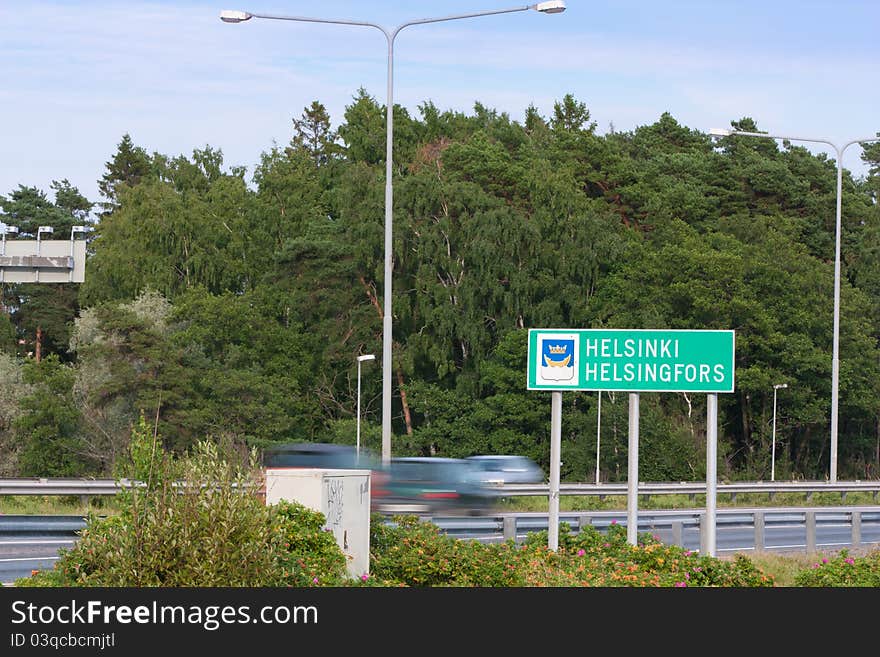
point(632, 477)
point(711, 471)
point(555, 454)
point(633, 361)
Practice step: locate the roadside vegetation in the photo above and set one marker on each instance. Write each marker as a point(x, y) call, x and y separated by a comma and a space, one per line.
point(202, 521)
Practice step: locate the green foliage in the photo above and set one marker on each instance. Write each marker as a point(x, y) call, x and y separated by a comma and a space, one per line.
point(46, 429)
point(272, 286)
point(205, 526)
point(843, 570)
point(415, 553)
point(12, 391)
point(307, 553)
point(146, 461)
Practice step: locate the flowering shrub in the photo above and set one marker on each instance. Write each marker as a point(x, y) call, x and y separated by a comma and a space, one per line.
point(415, 553)
point(306, 554)
point(843, 570)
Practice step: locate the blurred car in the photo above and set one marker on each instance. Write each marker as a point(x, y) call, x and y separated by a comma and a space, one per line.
point(427, 485)
point(332, 456)
point(316, 455)
point(506, 469)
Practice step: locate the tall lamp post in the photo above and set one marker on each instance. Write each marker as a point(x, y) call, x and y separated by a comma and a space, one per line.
point(235, 16)
point(360, 359)
point(776, 387)
point(835, 357)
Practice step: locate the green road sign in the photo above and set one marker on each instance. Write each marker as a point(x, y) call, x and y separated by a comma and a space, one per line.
point(631, 360)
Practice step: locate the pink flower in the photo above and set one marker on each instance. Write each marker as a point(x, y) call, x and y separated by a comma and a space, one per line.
point(613, 522)
point(824, 560)
point(315, 581)
point(364, 577)
point(581, 553)
point(680, 584)
point(850, 561)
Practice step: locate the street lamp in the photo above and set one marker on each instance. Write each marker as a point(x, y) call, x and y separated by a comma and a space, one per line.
point(360, 359)
point(835, 356)
point(236, 16)
point(776, 387)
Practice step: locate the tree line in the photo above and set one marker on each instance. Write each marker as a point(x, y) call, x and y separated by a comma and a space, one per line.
point(222, 302)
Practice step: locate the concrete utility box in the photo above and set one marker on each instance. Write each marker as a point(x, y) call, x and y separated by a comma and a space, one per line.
point(343, 496)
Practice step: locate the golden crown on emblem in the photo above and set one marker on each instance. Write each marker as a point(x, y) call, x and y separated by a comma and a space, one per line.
point(556, 349)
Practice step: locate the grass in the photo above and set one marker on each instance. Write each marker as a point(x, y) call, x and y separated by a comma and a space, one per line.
point(73, 505)
point(51, 505)
point(783, 567)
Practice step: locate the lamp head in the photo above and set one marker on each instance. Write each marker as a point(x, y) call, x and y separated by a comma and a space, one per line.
point(45, 229)
point(720, 132)
point(780, 385)
point(11, 230)
point(234, 16)
point(550, 7)
point(361, 359)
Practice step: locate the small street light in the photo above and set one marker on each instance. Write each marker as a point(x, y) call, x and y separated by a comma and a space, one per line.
point(776, 387)
point(360, 359)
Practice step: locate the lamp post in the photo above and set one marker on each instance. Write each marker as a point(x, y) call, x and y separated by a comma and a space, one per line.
point(235, 16)
point(776, 387)
point(835, 356)
point(360, 359)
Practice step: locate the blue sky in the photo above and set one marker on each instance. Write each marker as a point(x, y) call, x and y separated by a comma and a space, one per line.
point(77, 76)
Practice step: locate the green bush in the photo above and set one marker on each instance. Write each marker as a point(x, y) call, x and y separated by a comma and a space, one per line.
point(307, 554)
point(209, 527)
point(415, 553)
point(843, 570)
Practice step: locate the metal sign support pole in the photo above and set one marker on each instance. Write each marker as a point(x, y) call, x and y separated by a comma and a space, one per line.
point(555, 454)
point(711, 471)
point(632, 504)
point(598, 431)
